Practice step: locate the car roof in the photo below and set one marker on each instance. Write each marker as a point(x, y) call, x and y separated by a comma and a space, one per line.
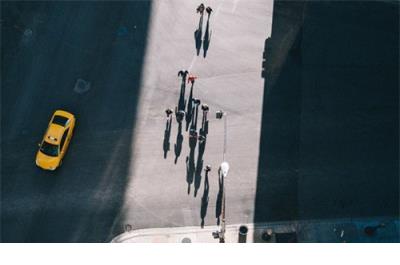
point(54, 133)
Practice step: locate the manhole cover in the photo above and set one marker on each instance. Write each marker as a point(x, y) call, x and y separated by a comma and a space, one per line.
point(27, 36)
point(186, 240)
point(81, 86)
point(28, 33)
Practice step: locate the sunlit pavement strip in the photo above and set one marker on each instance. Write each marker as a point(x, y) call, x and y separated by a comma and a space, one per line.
point(335, 230)
point(229, 79)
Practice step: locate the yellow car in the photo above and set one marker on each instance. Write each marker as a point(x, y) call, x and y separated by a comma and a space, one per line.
point(56, 140)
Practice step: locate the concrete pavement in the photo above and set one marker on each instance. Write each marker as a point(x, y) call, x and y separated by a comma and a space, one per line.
point(160, 192)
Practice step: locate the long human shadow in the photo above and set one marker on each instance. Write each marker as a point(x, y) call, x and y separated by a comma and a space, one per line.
point(207, 38)
point(190, 166)
point(189, 112)
point(218, 204)
point(178, 144)
point(197, 34)
point(202, 139)
point(204, 199)
point(182, 101)
point(167, 134)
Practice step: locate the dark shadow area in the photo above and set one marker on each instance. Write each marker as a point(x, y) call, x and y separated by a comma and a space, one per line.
point(167, 134)
point(199, 167)
point(204, 199)
point(197, 34)
point(179, 140)
point(207, 38)
point(192, 172)
point(46, 47)
point(329, 135)
point(202, 139)
point(189, 112)
point(218, 203)
point(190, 166)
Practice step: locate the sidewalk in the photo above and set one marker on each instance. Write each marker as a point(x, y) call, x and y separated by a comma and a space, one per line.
point(332, 230)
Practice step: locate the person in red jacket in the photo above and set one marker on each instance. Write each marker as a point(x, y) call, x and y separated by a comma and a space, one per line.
point(191, 78)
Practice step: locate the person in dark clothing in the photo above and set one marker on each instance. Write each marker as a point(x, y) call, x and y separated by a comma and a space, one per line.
point(168, 112)
point(209, 10)
point(200, 9)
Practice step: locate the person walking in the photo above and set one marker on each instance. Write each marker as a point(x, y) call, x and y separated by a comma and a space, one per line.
point(200, 9)
point(209, 10)
point(183, 74)
point(191, 78)
point(168, 112)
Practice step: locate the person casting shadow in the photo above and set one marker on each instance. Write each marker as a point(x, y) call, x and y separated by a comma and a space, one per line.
point(198, 32)
point(167, 132)
point(218, 207)
point(190, 166)
point(204, 122)
point(179, 140)
point(207, 34)
point(202, 138)
point(204, 198)
point(180, 109)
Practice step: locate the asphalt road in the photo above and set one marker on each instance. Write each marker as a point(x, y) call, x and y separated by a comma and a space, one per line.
point(46, 47)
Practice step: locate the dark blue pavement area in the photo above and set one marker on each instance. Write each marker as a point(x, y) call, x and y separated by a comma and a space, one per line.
point(46, 47)
point(330, 125)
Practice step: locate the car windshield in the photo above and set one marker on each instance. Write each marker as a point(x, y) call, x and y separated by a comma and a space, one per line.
point(60, 120)
point(49, 149)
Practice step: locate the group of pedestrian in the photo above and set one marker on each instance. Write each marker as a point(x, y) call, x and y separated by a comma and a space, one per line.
point(188, 109)
point(200, 9)
point(192, 109)
point(198, 34)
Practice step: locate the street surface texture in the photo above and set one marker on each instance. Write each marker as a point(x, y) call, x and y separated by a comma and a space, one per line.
point(160, 192)
point(115, 66)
